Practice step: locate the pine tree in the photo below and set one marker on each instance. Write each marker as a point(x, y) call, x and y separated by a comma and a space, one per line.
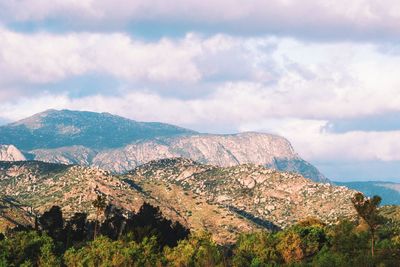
point(367, 209)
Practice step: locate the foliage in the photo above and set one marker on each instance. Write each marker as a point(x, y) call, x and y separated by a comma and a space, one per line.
point(198, 250)
point(256, 249)
point(367, 209)
point(105, 252)
point(28, 248)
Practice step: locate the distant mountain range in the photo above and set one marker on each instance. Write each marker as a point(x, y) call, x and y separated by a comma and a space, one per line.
point(118, 144)
point(389, 191)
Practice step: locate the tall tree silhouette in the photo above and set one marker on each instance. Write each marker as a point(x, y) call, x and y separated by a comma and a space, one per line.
point(76, 228)
point(52, 223)
point(100, 204)
point(367, 208)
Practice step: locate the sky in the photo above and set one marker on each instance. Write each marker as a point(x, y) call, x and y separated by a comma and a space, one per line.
point(323, 74)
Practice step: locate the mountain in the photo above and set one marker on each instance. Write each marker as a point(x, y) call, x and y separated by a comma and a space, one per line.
point(117, 144)
point(225, 201)
point(10, 153)
point(389, 191)
point(220, 150)
point(54, 129)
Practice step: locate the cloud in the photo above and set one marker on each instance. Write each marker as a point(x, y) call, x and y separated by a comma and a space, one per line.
point(358, 19)
point(312, 80)
point(44, 58)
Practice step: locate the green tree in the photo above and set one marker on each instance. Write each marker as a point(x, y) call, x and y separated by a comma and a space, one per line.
point(104, 252)
point(29, 249)
point(367, 209)
point(256, 249)
point(199, 250)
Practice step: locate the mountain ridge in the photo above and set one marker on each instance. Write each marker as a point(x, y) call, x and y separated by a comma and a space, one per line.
point(118, 144)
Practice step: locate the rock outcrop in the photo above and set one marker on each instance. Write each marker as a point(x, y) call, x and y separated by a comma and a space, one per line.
point(10, 153)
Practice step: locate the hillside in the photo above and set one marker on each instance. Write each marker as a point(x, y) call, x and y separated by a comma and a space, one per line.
point(389, 191)
point(37, 186)
point(117, 144)
point(226, 201)
point(13, 213)
point(254, 191)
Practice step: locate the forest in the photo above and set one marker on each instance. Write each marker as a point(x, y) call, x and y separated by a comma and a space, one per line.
point(146, 238)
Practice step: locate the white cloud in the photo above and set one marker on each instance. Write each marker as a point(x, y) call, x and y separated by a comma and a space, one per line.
point(43, 58)
point(328, 19)
point(278, 77)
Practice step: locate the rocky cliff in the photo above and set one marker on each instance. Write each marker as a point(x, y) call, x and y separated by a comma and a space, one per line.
point(221, 150)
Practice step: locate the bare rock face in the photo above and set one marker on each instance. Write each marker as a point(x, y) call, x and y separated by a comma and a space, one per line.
point(10, 153)
point(220, 150)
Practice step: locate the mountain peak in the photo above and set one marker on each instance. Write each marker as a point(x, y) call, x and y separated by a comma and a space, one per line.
point(61, 128)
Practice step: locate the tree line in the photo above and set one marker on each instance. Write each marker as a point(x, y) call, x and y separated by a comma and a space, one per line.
point(146, 238)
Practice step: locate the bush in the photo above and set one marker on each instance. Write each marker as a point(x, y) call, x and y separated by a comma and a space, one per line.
point(28, 248)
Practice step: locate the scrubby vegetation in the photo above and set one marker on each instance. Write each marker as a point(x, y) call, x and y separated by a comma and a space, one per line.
point(146, 238)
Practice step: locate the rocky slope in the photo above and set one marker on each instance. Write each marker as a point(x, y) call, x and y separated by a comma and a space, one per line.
point(256, 192)
point(225, 201)
point(118, 145)
point(10, 153)
point(36, 186)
